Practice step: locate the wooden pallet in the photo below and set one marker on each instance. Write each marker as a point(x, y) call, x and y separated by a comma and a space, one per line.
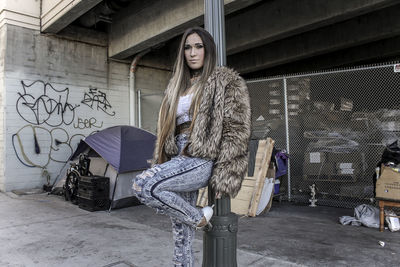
point(246, 202)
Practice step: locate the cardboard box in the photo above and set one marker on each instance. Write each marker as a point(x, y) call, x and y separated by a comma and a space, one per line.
point(388, 184)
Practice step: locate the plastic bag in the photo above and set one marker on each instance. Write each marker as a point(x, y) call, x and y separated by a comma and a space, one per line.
point(345, 220)
point(368, 215)
point(363, 214)
point(265, 195)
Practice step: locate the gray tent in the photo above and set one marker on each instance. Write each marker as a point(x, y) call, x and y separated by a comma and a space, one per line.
point(122, 152)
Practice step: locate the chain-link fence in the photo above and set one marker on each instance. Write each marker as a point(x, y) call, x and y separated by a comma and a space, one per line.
point(334, 125)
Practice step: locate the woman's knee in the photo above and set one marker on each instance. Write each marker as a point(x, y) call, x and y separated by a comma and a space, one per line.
point(144, 182)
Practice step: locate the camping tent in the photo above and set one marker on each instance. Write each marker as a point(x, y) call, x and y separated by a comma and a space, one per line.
point(123, 152)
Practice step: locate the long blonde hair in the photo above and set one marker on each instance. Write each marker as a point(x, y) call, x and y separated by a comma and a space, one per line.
point(180, 82)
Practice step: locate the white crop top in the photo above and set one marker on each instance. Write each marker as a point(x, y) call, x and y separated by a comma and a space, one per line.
point(182, 112)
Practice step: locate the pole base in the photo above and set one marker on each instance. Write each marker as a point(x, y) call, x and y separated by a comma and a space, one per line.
point(220, 242)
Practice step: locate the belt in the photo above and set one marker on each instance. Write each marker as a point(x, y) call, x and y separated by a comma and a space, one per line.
point(182, 128)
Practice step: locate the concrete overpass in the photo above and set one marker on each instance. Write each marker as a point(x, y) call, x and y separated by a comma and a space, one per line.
point(260, 35)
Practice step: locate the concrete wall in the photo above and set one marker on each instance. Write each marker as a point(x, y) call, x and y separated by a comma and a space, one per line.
point(55, 91)
point(24, 13)
point(151, 83)
point(2, 89)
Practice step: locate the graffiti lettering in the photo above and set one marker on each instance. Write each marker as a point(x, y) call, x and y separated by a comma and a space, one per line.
point(45, 104)
point(97, 99)
point(54, 145)
point(87, 123)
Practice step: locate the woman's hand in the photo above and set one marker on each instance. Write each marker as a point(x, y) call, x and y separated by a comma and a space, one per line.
point(218, 195)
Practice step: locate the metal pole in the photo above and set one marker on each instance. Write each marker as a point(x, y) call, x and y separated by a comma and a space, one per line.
point(132, 98)
point(287, 133)
point(132, 90)
point(139, 95)
point(214, 23)
point(219, 241)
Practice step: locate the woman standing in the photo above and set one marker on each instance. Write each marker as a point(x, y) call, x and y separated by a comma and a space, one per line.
point(203, 132)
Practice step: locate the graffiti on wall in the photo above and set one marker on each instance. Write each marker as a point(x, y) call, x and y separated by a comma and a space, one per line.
point(40, 103)
point(44, 145)
point(97, 99)
point(87, 124)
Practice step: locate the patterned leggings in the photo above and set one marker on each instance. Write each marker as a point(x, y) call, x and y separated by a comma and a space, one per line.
point(171, 188)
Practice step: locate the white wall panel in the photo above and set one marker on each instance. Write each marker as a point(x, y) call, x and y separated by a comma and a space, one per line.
point(45, 81)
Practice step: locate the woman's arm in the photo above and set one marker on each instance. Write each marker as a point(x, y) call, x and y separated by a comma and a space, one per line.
point(231, 163)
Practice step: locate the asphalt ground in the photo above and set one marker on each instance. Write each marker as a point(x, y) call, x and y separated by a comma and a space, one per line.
point(45, 230)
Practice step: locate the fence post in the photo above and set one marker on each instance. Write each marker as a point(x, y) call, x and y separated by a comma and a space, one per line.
point(287, 133)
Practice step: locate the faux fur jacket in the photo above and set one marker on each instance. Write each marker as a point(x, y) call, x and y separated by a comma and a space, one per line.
point(221, 130)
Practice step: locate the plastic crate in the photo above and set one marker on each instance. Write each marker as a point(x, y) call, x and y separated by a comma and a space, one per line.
point(93, 204)
point(94, 187)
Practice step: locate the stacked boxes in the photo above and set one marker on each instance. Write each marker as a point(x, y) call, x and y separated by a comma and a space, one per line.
point(93, 193)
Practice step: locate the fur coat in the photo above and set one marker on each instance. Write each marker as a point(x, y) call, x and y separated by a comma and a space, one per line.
point(221, 130)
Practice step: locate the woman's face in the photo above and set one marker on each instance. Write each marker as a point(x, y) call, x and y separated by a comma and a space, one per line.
point(194, 51)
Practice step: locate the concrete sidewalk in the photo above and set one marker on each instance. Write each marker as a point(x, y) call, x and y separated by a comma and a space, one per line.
point(44, 230)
